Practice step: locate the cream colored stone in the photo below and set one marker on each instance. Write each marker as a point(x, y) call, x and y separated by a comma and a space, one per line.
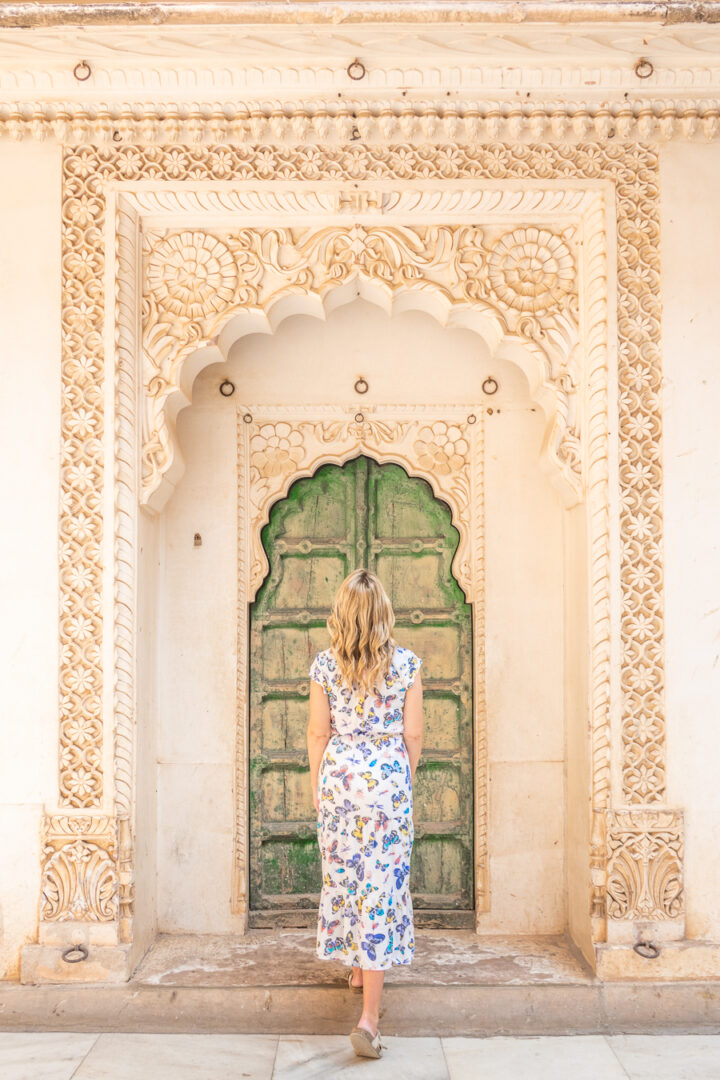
point(669, 1057)
point(305, 1057)
point(43, 1055)
point(690, 273)
point(607, 692)
point(548, 1058)
point(167, 1057)
point(527, 890)
point(527, 807)
point(195, 819)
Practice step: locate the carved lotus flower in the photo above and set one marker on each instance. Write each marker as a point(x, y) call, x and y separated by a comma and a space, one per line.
point(441, 448)
point(277, 450)
point(192, 274)
point(531, 270)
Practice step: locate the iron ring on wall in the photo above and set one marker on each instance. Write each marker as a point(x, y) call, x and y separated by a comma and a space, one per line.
point(647, 950)
point(75, 954)
point(644, 68)
point(356, 70)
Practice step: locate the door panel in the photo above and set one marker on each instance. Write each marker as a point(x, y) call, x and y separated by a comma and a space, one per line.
point(360, 514)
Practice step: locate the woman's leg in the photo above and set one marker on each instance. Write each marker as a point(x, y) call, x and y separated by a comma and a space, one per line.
point(357, 979)
point(372, 992)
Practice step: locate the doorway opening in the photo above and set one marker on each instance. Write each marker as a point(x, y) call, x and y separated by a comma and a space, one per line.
point(362, 513)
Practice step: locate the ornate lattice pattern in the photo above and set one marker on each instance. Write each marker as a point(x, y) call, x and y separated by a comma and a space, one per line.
point(632, 168)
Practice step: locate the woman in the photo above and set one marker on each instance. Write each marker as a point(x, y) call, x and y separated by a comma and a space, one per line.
point(364, 742)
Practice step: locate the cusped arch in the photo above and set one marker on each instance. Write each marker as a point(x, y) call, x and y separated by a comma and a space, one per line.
point(552, 390)
point(459, 509)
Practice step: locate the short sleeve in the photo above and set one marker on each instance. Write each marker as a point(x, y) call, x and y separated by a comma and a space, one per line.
point(413, 664)
point(317, 672)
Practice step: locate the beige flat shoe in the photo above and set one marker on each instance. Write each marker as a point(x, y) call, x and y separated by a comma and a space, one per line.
point(366, 1045)
point(357, 989)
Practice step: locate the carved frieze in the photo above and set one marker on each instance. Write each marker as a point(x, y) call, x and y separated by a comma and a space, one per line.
point(524, 279)
point(329, 122)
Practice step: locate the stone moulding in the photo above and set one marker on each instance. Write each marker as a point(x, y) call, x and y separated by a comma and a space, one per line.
point(361, 121)
point(122, 192)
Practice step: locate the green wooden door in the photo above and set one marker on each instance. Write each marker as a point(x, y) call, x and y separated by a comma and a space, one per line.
point(360, 514)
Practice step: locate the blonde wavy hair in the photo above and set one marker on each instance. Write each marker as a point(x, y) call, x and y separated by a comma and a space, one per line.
point(361, 624)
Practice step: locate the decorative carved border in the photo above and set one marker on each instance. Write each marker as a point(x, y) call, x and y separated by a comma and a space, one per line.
point(91, 172)
point(511, 282)
point(332, 122)
point(279, 445)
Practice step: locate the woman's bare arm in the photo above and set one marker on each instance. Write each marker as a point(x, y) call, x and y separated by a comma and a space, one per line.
point(413, 722)
point(318, 733)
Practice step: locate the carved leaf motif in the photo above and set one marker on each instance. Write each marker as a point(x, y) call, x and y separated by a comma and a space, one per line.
point(79, 882)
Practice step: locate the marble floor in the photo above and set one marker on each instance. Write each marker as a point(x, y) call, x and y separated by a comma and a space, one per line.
point(89, 1056)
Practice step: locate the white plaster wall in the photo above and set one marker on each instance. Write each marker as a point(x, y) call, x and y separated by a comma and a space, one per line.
point(29, 463)
point(690, 182)
point(408, 358)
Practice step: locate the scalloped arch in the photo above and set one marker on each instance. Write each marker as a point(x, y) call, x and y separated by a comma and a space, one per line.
point(163, 463)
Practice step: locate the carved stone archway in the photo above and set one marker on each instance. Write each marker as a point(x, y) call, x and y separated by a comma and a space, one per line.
point(554, 249)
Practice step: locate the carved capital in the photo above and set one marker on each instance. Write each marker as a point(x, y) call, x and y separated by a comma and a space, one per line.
point(645, 865)
point(79, 876)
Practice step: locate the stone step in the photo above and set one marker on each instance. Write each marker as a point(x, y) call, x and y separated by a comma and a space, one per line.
point(270, 981)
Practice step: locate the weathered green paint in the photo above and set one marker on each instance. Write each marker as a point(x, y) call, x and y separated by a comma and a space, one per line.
point(360, 514)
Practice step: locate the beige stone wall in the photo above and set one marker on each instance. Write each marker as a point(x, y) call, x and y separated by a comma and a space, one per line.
point(538, 691)
point(691, 393)
point(29, 423)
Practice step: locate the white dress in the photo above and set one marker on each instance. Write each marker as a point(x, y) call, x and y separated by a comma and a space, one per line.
point(365, 822)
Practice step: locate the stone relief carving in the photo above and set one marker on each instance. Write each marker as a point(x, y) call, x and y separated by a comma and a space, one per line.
point(633, 172)
point(525, 279)
point(79, 869)
point(644, 864)
point(329, 122)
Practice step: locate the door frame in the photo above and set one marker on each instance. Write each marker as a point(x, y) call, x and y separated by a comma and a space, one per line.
point(277, 445)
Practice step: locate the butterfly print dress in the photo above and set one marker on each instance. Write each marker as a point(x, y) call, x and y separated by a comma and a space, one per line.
point(365, 820)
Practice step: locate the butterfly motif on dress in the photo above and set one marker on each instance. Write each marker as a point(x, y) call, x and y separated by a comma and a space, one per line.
point(357, 864)
point(390, 838)
point(403, 925)
point(333, 944)
point(333, 853)
point(400, 875)
point(387, 769)
point(359, 830)
point(369, 943)
point(336, 902)
point(342, 774)
point(369, 779)
point(398, 798)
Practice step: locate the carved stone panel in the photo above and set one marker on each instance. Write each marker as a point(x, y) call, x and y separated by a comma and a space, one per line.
point(645, 869)
point(542, 285)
